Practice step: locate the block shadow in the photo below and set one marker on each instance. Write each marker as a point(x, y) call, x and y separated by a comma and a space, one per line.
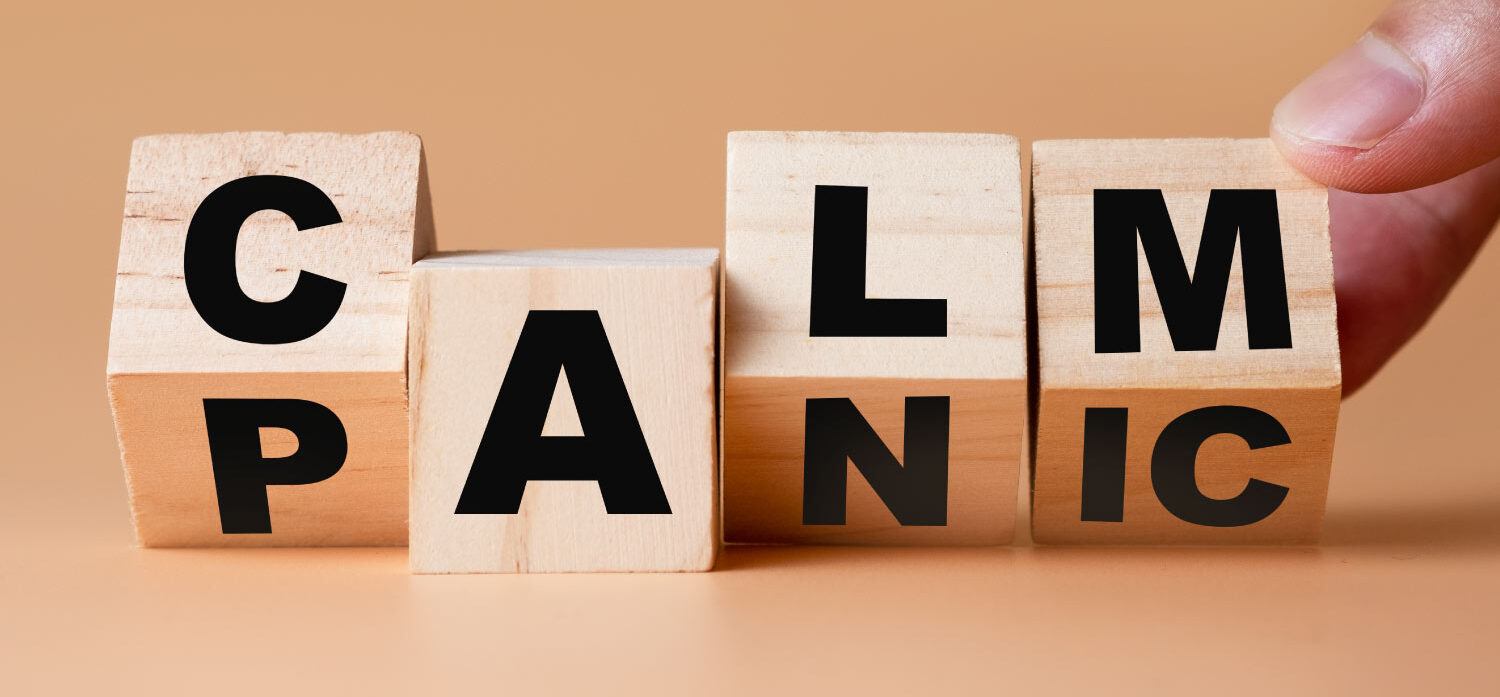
point(745, 557)
point(1472, 526)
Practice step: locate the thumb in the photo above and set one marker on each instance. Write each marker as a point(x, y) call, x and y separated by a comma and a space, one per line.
point(1413, 102)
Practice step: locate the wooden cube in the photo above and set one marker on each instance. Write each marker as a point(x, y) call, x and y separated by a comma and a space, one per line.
point(1187, 344)
point(563, 411)
point(257, 353)
point(875, 338)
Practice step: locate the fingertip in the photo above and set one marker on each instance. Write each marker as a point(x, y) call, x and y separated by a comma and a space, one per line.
point(1336, 166)
point(1408, 105)
point(1355, 99)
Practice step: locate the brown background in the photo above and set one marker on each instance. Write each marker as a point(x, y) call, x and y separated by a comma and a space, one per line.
point(604, 125)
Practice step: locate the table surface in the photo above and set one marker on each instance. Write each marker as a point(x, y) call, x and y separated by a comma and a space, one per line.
point(523, 107)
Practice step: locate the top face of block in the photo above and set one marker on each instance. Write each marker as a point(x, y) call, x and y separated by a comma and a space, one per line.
point(376, 184)
point(1065, 178)
point(943, 220)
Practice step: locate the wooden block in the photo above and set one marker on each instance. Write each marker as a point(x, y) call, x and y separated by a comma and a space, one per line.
point(1173, 408)
point(257, 353)
point(875, 338)
point(563, 411)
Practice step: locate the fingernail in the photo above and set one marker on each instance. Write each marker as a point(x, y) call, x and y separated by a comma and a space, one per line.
point(1356, 99)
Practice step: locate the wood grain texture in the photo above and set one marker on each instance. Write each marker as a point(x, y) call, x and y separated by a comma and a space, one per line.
point(1299, 386)
point(658, 311)
point(764, 430)
point(944, 221)
point(1064, 177)
point(164, 359)
point(1225, 464)
point(377, 183)
point(170, 477)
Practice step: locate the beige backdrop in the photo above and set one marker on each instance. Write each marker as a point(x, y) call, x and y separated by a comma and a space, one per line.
point(548, 124)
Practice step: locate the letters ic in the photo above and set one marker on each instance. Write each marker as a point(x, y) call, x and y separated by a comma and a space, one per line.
point(874, 334)
point(257, 347)
point(1188, 370)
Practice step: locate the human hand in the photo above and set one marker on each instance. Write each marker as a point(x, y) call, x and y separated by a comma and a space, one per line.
point(1405, 126)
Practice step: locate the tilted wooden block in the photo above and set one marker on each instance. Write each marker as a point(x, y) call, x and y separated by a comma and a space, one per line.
point(1188, 349)
point(875, 338)
point(257, 353)
point(563, 411)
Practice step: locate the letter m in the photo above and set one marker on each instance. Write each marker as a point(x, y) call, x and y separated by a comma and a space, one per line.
point(1193, 306)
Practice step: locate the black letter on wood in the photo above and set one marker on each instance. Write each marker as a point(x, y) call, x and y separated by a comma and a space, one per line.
point(612, 450)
